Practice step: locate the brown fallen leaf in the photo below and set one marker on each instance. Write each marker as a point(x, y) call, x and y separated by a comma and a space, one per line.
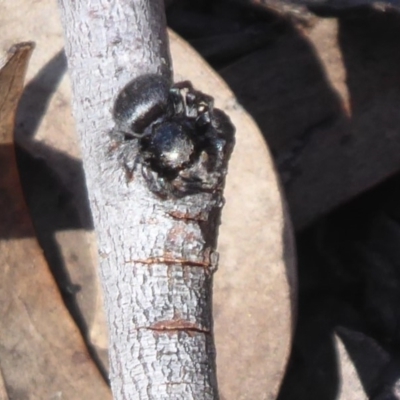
point(362, 362)
point(42, 355)
point(3, 391)
point(350, 386)
point(253, 289)
point(45, 127)
point(325, 99)
point(255, 283)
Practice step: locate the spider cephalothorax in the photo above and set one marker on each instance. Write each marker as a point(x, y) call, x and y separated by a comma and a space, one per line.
point(181, 142)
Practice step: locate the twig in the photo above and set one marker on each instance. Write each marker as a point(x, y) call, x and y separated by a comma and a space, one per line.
point(157, 256)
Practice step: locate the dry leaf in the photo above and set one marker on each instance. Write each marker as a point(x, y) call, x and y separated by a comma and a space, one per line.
point(362, 361)
point(3, 391)
point(253, 293)
point(253, 288)
point(45, 128)
point(326, 100)
point(42, 355)
point(350, 387)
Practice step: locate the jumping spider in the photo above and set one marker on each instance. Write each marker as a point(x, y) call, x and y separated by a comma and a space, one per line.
point(174, 133)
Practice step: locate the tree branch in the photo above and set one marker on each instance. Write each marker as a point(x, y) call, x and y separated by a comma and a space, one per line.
point(157, 256)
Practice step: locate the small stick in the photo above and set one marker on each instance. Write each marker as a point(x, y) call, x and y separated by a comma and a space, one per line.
point(157, 255)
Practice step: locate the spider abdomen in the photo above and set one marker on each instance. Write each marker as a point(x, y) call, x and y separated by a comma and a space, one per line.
point(140, 103)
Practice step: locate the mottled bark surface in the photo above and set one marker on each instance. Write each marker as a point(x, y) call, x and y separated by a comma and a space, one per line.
point(157, 256)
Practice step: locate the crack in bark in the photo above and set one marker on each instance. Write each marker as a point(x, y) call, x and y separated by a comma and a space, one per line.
point(187, 217)
point(170, 261)
point(176, 326)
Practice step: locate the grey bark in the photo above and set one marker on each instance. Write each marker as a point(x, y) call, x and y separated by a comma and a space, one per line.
point(157, 257)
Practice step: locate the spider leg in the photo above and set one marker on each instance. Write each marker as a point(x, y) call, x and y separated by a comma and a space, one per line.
point(121, 135)
point(217, 142)
point(195, 102)
point(201, 176)
point(192, 185)
point(156, 184)
point(182, 187)
point(220, 136)
point(133, 135)
point(128, 156)
point(204, 119)
point(222, 127)
point(198, 103)
point(178, 104)
point(183, 85)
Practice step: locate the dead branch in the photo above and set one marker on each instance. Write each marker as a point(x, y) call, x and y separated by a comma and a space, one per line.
point(157, 255)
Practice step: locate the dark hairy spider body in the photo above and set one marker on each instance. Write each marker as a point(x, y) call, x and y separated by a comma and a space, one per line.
point(180, 141)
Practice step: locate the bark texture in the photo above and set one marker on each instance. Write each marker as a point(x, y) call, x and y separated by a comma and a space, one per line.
point(157, 256)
